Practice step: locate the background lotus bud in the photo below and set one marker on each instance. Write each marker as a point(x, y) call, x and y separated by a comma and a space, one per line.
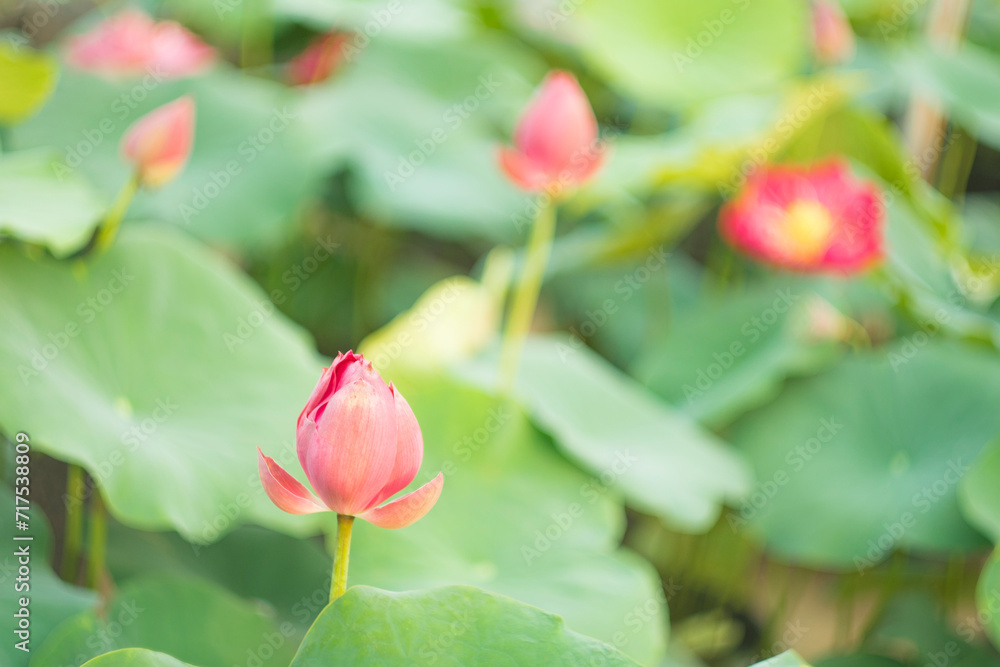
point(812, 219)
point(319, 60)
point(359, 443)
point(833, 39)
point(159, 143)
point(556, 142)
point(131, 43)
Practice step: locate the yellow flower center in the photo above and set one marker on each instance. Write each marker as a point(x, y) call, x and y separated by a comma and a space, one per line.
point(807, 226)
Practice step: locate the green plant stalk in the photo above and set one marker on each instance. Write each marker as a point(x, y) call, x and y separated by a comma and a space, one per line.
point(255, 40)
point(97, 541)
point(341, 556)
point(522, 308)
point(109, 228)
point(73, 532)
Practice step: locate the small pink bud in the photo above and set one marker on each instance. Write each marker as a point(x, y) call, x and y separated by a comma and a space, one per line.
point(359, 444)
point(556, 142)
point(131, 43)
point(833, 39)
point(159, 143)
point(811, 219)
point(319, 60)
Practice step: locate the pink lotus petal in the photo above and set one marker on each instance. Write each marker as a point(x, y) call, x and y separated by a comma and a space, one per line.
point(159, 143)
point(409, 449)
point(351, 451)
point(131, 44)
point(407, 509)
point(284, 490)
point(556, 140)
point(809, 219)
point(833, 38)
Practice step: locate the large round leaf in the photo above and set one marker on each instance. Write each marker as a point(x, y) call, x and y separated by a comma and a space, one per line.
point(250, 167)
point(160, 370)
point(988, 599)
point(434, 167)
point(867, 458)
point(135, 657)
point(979, 492)
point(724, 356)
point(663, 462)
point(673, 53)
point(290, 575)
point(37, 206)
point(517, 519)
point(194, 620)
point(453, 626)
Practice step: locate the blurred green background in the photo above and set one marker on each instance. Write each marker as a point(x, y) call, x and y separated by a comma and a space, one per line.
point(834, 489)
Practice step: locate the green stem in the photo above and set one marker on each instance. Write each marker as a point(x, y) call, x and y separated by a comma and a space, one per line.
point(341, 556)
point(73, 534)
point(109, 228)
point(256, 31)
point(97, 541)
point(522, 309)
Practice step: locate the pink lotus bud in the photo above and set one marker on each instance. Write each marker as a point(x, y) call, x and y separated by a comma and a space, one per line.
point(319, 60)
point(130, 43)
point(556, 142)
point(811, 219)
point(359, 444)
point(833, 39)
point(159, 143)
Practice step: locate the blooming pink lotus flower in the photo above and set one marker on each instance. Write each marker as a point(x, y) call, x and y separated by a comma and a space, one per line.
point(556, 142)
point(833, 39)
point(319, 60)
point(359, 444)
point(811, 219)
point(131, 43)
point(159, 143)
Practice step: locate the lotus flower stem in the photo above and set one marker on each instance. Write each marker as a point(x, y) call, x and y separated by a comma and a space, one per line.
point(926, 121)
point(109, 229)
point(73, 535)
point(97, 546)
point(341, 556)
point(522, 308)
